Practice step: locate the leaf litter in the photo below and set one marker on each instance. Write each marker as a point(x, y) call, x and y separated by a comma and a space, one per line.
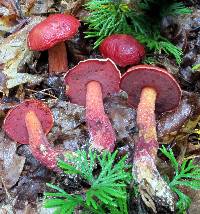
point(22, 177)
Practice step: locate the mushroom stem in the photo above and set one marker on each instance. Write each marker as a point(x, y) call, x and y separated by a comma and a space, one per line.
point(38, 142)
point(146, 119)
point(58, 62)
point(100, 128)
point(151, 185)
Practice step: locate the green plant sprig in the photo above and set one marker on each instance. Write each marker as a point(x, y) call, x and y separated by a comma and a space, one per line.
point(107, 192)
point(187, 175)
point(110, 16)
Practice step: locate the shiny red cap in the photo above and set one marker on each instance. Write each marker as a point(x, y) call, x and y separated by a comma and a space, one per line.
point(54, 29)
point(122, 49)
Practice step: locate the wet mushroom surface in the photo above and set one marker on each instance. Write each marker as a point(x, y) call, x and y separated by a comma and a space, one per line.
point(25, 75)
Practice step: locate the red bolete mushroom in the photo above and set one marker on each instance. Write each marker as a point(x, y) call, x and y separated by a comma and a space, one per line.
point(150, 88)
point(122, 49)
point(28, 123)
point(88, 84)
point(50, 34)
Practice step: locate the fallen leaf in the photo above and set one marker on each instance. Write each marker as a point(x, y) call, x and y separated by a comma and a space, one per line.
point(37, 7)
point(122, 117)
point(182, 121)
point(8, 22)
point(195, 205)
point(7, 7)
point(175, 127)
point(32, 181)
point(14, 53)
point(11, 165)
point(70, 6)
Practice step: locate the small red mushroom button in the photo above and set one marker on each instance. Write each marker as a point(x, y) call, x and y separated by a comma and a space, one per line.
point(88, 84)
point(149, 89)
point(122, 49)
point(50, 34)
point(28, 123)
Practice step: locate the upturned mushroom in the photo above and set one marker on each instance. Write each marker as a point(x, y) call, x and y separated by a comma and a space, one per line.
point(150, 88)
point(50, 34)
point(88, 84)
point(123, 49)
point(28, 123)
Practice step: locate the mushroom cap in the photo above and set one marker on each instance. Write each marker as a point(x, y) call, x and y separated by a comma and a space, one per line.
point(141, 76)
point(14, 122)
point(122, 49)
point(103, 71)
point(54, 29)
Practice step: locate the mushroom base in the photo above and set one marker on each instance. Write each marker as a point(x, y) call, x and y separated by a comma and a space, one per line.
point(153, 189)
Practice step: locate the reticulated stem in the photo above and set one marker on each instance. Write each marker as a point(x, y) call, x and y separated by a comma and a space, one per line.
point(146, 118)
point(38, 142)
point(99, 126)
point(58, 62)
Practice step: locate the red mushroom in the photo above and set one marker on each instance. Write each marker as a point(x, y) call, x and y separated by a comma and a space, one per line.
point(50, 34)
point(148, 88)
point(88, 84)
point(28, 123)
point(122, 49)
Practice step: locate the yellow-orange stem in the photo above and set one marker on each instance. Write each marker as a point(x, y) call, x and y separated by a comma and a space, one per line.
point(58, 62)
point(146, 116)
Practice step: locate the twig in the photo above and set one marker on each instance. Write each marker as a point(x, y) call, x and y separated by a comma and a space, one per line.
point(42, 92)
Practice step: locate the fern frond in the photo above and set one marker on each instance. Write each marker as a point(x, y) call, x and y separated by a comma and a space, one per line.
point(187, 174)
point(184, 201)
point(64, 202)
point(196, 68)
point(82, 163)
point(109, 17)
point(174, 9)
point(107, 189)
point(170, 155)
point(155, 42)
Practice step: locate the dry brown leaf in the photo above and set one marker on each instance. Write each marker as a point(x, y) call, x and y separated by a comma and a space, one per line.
point(36, 7)
point(7, 7)
point(71, 6)
point(14, 53)
point(11, 165)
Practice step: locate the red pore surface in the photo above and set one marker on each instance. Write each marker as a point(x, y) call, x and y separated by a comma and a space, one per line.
point(103, 71)
point(14, 123)
point(138, 77)
point(122, 49)
point(54, 29)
